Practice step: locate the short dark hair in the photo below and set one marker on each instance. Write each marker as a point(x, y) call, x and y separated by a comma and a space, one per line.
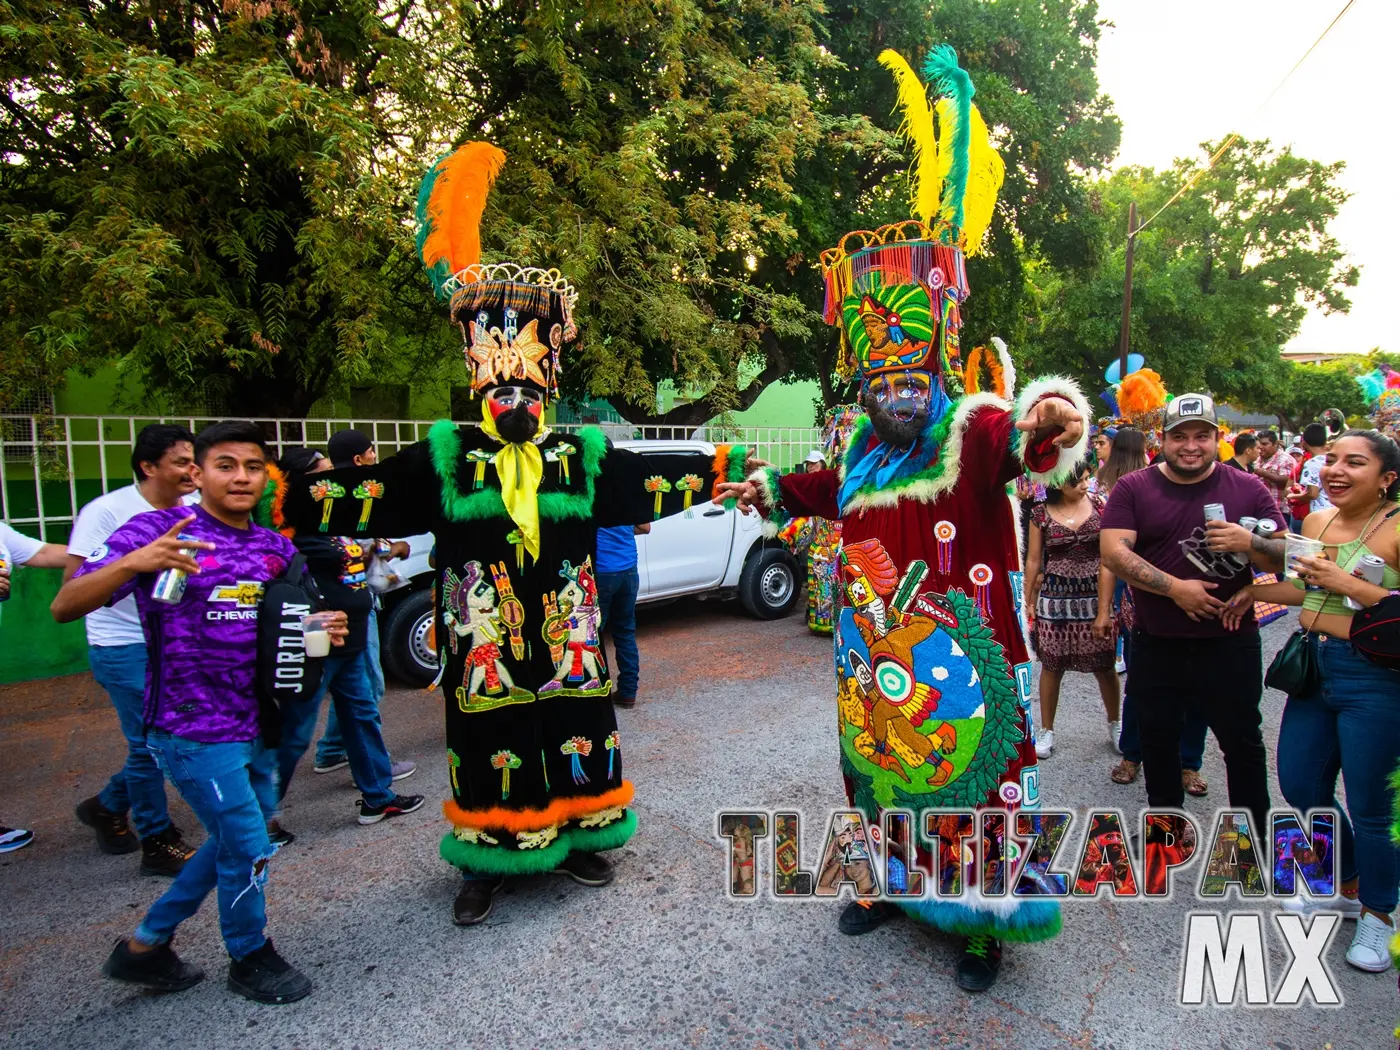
point(155, 441)
point(1315, 434)
point(228, 432)
point(1272, 435)
point(1053, 493)
point(1244, 442)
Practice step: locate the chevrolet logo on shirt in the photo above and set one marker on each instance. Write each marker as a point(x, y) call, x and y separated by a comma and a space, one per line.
point(244, 593)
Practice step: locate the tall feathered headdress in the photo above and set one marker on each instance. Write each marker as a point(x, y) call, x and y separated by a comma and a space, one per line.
point(532, 308)
point(896, 292)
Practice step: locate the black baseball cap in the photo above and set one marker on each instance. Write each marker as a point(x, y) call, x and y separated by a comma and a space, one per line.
point(300, 460)
point(345, 445)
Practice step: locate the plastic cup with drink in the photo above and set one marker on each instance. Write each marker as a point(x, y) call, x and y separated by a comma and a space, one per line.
point(1295, 547)
point(315, 633)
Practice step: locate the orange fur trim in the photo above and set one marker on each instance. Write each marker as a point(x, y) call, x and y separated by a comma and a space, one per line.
point(721, 468)
point(556, 813)
point(983, 356)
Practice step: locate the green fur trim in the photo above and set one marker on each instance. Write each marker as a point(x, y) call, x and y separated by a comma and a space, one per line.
point(856, 451)
point(262, 513)
point(734, 469)
point(493, 860)
point(1033, 920)
point(777, 517)
point(445, 443)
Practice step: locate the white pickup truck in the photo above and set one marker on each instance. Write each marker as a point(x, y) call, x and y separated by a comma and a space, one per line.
point(713, 553)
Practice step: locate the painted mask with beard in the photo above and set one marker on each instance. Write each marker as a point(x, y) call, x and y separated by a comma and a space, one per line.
point(903, 405)
point(517, 411)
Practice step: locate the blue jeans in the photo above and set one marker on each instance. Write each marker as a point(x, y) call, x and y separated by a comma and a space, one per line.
point(1193, 731)
point(348, 680)
point(331, 747)
point(1349, 724)
point(617, 600)
point(230, 787)
point(138, 785)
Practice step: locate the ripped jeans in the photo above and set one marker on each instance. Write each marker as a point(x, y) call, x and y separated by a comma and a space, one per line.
point(232, 788)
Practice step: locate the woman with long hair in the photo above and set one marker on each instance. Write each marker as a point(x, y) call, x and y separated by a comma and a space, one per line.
point(1072, 595)
point(1347, 719)
point(1129, 453)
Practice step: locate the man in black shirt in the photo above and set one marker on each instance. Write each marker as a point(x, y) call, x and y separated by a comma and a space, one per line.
point(1246, 452)
point(339, 564)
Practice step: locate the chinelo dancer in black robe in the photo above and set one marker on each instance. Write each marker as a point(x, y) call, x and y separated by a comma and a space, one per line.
point(533, 748)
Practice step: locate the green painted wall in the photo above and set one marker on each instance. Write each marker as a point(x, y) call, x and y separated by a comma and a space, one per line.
point(31, 644)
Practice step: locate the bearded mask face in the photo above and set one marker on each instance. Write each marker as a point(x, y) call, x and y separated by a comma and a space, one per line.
point(903, 405)
point(517, 411)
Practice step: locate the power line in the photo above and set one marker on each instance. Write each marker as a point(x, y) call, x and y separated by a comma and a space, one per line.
point(1234, 135)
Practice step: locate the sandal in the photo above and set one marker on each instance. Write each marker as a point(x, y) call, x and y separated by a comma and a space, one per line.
point(1192, 782)
point(1125, 772)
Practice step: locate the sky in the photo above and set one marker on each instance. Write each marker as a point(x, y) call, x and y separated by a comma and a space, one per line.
point(1187, 71)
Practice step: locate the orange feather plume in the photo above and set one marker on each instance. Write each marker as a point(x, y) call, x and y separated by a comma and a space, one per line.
point(1141, 393)
point(456, 188)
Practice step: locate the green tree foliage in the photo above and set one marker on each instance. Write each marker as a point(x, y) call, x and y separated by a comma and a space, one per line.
point(213, 191)
point(216, 192)
point(1222, 279)
point(1304, 392)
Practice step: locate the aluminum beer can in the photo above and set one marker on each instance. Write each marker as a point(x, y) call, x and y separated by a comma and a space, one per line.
point(382, 549)
point(1215, 512)
point(170, 584)
point(1249, 524)
point(1369, 568)
point(1266, 527)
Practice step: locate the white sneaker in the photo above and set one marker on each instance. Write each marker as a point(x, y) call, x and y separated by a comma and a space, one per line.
point(1045, 743)
point(1115, 730)
point(1306, 904)
point(1370, 948)
point(1119, 666)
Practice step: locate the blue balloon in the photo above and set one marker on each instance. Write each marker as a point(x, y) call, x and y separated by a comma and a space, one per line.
point(1135, 362)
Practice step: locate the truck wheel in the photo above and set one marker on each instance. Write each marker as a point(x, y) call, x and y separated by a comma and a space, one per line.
point(768, 586)
point(405, 650)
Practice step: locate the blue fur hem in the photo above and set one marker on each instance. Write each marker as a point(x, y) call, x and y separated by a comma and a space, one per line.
point(1033, 920)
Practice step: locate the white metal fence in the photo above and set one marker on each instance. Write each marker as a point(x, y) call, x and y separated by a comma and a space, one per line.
point(50, 466)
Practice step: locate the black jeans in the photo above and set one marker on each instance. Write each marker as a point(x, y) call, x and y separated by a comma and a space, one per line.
point(1222, 679)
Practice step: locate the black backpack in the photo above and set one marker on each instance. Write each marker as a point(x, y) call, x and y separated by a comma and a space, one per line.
point(285, 674)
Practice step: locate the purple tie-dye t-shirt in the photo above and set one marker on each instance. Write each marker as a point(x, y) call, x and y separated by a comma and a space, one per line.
point(203, 650)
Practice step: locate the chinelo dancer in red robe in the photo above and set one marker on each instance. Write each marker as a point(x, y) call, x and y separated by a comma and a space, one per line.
point(933, 674)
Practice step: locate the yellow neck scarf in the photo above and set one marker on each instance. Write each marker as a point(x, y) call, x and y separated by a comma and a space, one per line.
point(520, 468)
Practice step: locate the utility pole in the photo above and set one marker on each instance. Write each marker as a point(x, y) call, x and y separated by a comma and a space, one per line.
point(1125, 330)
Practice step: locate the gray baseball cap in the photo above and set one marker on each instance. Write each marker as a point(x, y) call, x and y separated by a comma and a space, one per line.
point(1189, 408)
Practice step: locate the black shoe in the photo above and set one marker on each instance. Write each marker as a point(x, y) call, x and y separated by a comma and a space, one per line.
point(587, 869)
point(625, 701)
point(113, 832)
point(278, 835)
point(857, 919)
point(159, 969)
point(395, 807)
point(474, 899)
point(977, 969)
point(165, 853)
point(265, 977)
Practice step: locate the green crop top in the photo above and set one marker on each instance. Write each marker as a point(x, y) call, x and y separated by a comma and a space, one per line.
point(1348, 554)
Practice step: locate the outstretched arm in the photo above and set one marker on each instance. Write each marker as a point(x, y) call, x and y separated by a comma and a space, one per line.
point(128, 558)
point(400, 496)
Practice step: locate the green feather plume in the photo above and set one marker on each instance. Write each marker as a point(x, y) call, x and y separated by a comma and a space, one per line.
point(951, 81)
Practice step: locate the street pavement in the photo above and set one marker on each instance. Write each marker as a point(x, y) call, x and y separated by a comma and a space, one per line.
point(733, 713)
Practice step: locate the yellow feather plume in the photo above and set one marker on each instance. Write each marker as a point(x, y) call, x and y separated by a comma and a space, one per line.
point(455, 205)
point(925, 183)
point(986, 171)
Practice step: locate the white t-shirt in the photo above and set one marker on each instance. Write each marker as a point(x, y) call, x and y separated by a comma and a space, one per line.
point(20, 546)
point(118, 624)
point(1310, 475)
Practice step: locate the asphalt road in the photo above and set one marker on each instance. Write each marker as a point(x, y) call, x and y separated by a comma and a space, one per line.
point(733, 713)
